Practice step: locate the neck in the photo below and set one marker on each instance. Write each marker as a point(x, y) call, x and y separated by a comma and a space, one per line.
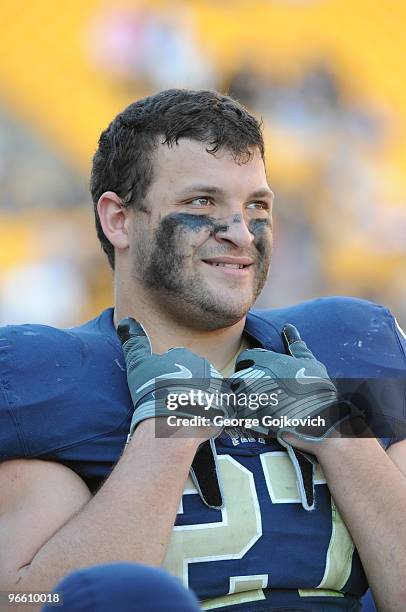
point(218, 346)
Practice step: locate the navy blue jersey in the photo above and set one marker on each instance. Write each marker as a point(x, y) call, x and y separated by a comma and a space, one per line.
point(64, 397)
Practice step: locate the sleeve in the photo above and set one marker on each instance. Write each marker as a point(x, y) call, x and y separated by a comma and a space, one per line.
point(40, 383)
point(11, 443)
point(373, 348)
point(389, 393)
point(401, 337)
point(399, 429)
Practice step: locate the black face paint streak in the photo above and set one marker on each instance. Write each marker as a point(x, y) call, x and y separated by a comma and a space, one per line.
point(237, 219)
point(258, 226)
point(195, 223)
point(261, 230)
point(191, 222)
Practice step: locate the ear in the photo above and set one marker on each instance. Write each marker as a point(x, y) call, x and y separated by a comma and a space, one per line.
point(113, 218)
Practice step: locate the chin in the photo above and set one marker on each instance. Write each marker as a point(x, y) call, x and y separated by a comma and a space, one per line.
point(210, 321)
point(216, 315)
point(203, 307)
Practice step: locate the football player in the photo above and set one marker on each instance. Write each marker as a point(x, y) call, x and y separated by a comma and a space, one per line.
point(246, 520)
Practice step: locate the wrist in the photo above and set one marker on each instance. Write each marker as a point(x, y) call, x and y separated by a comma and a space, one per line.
point(182, 440)
point(337, 448)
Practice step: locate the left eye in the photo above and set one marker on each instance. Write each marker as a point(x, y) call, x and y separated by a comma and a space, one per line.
point(257, 206)
point(200, 202)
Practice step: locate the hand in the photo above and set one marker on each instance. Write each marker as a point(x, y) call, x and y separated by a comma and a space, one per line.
point(151, 378)
point(156, 380)
point(305, 402)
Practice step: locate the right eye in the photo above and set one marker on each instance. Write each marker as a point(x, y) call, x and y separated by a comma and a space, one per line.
point(200, 202)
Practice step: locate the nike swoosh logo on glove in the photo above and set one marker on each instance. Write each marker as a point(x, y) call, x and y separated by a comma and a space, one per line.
point(182, 373)
point(307, 380)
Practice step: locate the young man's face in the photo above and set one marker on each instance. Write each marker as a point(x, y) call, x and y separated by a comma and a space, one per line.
point(202, 243)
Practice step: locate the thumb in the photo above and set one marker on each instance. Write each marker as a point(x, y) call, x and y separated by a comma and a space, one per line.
point(133, 338)
point(294, 344)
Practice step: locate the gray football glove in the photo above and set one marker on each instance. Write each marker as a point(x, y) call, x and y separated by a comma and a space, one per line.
point(152, 377)
point(304, 393)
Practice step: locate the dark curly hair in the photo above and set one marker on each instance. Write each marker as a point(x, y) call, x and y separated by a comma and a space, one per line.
point(123, 162)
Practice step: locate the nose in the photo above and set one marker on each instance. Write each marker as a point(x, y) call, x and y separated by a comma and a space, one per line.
point(234, 229)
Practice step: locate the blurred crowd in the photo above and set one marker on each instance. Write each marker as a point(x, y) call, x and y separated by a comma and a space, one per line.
point(340, 211)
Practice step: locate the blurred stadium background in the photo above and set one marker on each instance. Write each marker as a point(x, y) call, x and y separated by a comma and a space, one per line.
point(326, 76)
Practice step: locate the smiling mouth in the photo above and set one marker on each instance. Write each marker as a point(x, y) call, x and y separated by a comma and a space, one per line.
point(231, 268)
point(229, 261)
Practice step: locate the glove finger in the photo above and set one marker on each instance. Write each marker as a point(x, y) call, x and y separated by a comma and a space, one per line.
point(294, 344)
point(133, 337)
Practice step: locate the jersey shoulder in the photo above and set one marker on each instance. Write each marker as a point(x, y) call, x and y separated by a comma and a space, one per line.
point(51, 383)
point(353, 337)
point(39, 356)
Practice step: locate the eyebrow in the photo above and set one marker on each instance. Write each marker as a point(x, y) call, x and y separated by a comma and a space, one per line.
point(259, 193)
